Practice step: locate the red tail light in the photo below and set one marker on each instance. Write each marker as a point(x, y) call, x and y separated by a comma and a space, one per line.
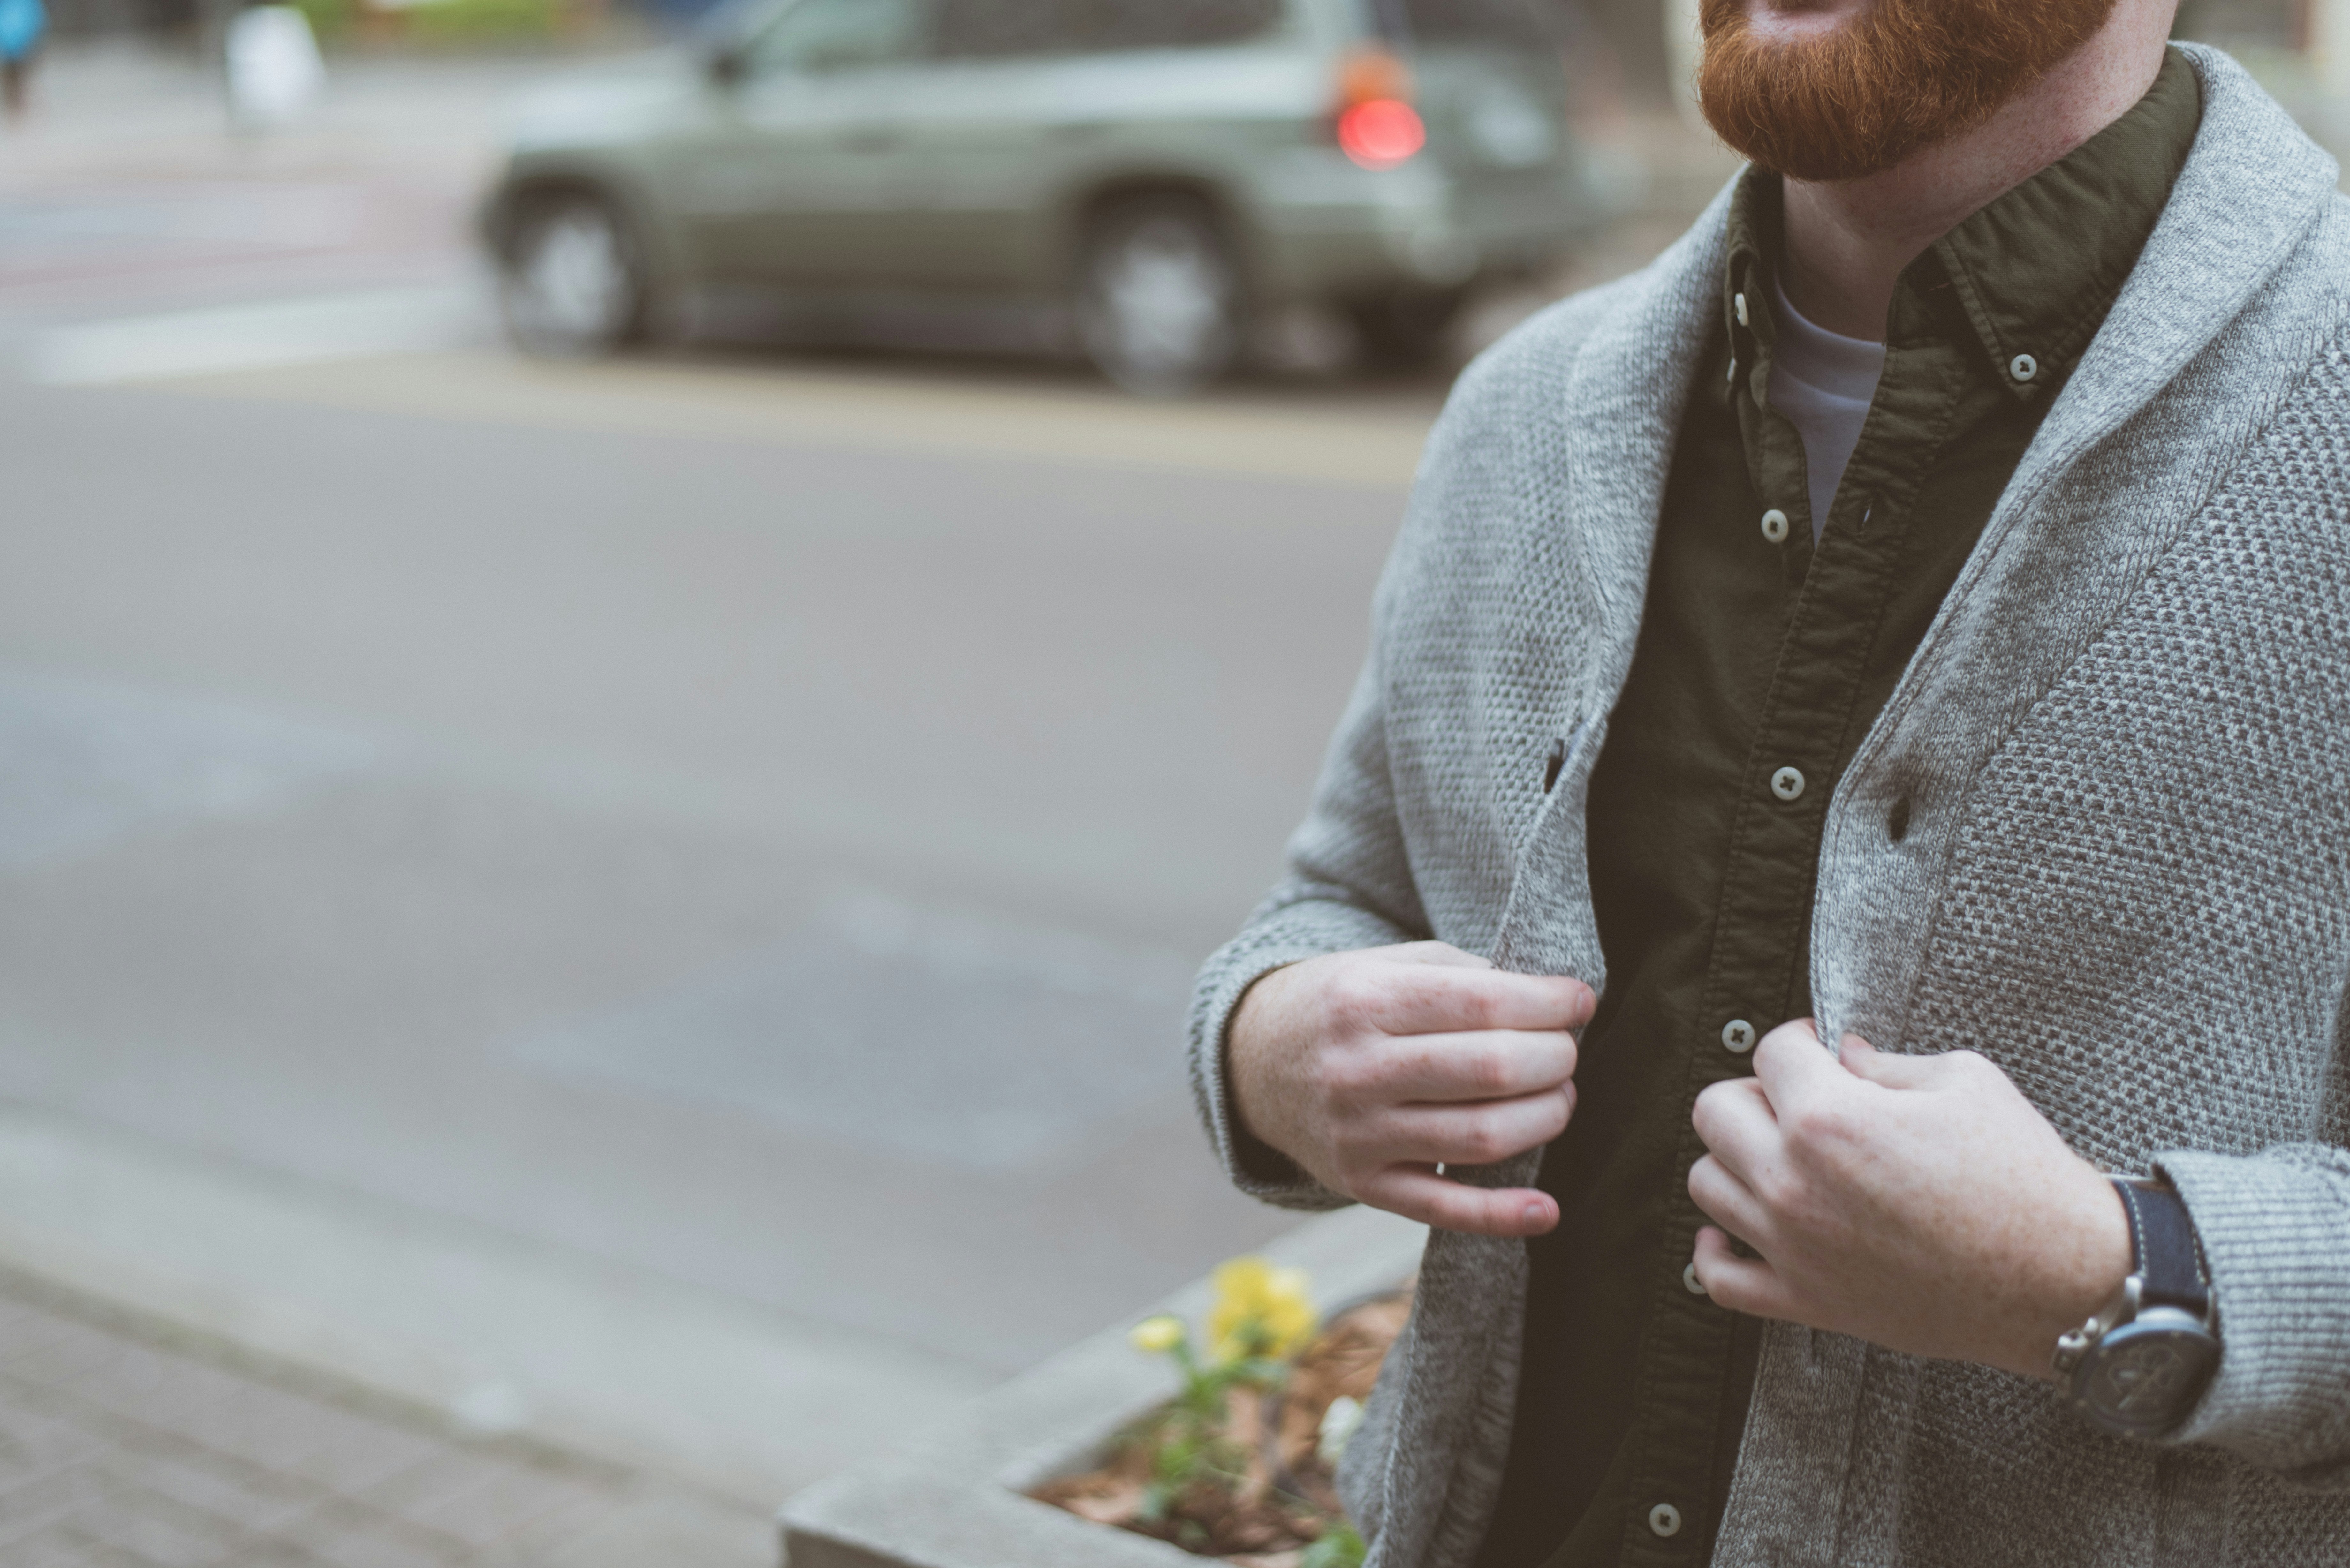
point(1381, 133)
point(1377, 126)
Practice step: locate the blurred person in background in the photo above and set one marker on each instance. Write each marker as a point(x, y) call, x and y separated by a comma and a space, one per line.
point(22, 22)
point(1913, 614)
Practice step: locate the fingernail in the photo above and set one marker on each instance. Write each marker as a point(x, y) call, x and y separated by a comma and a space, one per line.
point(1535, 1214)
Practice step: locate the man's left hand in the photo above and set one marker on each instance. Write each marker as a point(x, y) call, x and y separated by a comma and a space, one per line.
point(1918, 1202)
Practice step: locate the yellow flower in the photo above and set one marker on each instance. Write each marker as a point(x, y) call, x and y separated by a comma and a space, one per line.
point(1260, 1310)
point(1158, 1335)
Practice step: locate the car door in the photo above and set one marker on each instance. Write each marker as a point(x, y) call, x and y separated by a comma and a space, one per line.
point(984, 158)
point(1031, 99)
point(801, 177)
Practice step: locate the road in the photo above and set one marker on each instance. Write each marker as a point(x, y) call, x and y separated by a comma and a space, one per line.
point(739, 823)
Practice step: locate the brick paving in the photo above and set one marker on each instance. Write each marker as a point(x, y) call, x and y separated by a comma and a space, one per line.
point(127, 1444)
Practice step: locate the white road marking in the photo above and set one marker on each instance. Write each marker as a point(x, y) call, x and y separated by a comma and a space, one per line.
point(259, 337)
point(84, 763)
point(1055, 1035)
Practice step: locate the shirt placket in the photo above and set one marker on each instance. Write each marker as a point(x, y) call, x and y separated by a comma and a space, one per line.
point(1754, 979)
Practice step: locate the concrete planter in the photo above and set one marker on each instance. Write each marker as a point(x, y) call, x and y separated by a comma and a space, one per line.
point(952, 1497)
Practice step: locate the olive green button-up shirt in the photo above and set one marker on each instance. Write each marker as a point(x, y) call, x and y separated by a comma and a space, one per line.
point(1761, 662)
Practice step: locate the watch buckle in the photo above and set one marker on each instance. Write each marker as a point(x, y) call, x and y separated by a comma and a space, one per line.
point(2121, 1307)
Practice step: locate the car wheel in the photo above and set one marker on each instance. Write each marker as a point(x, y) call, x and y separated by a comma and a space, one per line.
point(571, 284)
point(1161, 302)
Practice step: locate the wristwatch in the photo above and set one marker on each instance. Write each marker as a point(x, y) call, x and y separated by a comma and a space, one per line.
point(2136, 1368)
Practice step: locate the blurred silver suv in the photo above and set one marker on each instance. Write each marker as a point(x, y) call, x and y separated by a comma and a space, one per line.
point(1143, 179)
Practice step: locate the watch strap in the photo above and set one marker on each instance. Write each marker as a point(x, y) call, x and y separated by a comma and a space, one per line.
point(2165, 1254)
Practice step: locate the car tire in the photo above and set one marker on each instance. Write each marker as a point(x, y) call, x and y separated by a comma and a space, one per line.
point(1161, 305)
point(571, 282)
point(1409, 330)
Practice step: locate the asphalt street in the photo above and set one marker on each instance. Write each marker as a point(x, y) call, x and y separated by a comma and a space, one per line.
point(742, 818)
point(777, 865)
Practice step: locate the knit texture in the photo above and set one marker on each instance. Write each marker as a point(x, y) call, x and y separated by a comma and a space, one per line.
point(2124, 754)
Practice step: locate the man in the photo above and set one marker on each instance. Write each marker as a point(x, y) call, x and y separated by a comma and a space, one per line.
point(1913, 614)
point(22, 22)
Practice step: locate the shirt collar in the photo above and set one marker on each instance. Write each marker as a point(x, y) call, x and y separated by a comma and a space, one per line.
point(2035, 271)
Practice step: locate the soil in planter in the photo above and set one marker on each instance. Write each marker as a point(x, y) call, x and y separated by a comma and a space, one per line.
point(1283, 1499)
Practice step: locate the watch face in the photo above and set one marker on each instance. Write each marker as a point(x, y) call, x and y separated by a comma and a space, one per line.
point(2143, 1377)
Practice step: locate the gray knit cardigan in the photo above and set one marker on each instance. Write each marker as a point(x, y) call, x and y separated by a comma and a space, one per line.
point(2126, 878)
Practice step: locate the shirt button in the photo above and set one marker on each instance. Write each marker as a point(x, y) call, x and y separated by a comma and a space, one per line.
point(1738, 1036)
point(1690, 1279)
point(1737, 303)
point(1787, 784)
point(2023, 367)
point(1775, 526)
point(1665, 1519)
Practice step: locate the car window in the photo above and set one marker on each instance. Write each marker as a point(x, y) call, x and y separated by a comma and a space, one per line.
point(984, 29)
point(842, 35)
point(1522, 23)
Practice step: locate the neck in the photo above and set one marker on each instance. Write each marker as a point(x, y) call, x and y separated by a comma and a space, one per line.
point(1847, 242)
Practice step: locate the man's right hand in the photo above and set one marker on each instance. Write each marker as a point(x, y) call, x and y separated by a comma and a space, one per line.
point(1369, 1069)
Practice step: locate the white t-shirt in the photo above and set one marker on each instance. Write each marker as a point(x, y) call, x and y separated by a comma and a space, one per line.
point(1822, 383)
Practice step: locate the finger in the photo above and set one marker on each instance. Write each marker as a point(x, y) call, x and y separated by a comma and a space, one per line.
point(1888, 1071)
point(1429, 999)
point(1750, 1285)
point(1441, 954)
point(1484, 1134)
point(1495, 1065)
point(1734, 1121)
point(1417, 1193)
point(1791, 1062)
point(1729, 1203)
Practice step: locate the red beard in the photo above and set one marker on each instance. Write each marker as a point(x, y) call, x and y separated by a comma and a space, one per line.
point(1900, 77)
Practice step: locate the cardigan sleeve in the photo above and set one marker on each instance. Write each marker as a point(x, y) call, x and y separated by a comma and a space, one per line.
point(1348, 885)
point(2275, 1229)
point(1349, 881)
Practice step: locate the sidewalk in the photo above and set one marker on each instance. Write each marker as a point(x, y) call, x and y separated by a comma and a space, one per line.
point(126, 1443)
point(127, 190)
